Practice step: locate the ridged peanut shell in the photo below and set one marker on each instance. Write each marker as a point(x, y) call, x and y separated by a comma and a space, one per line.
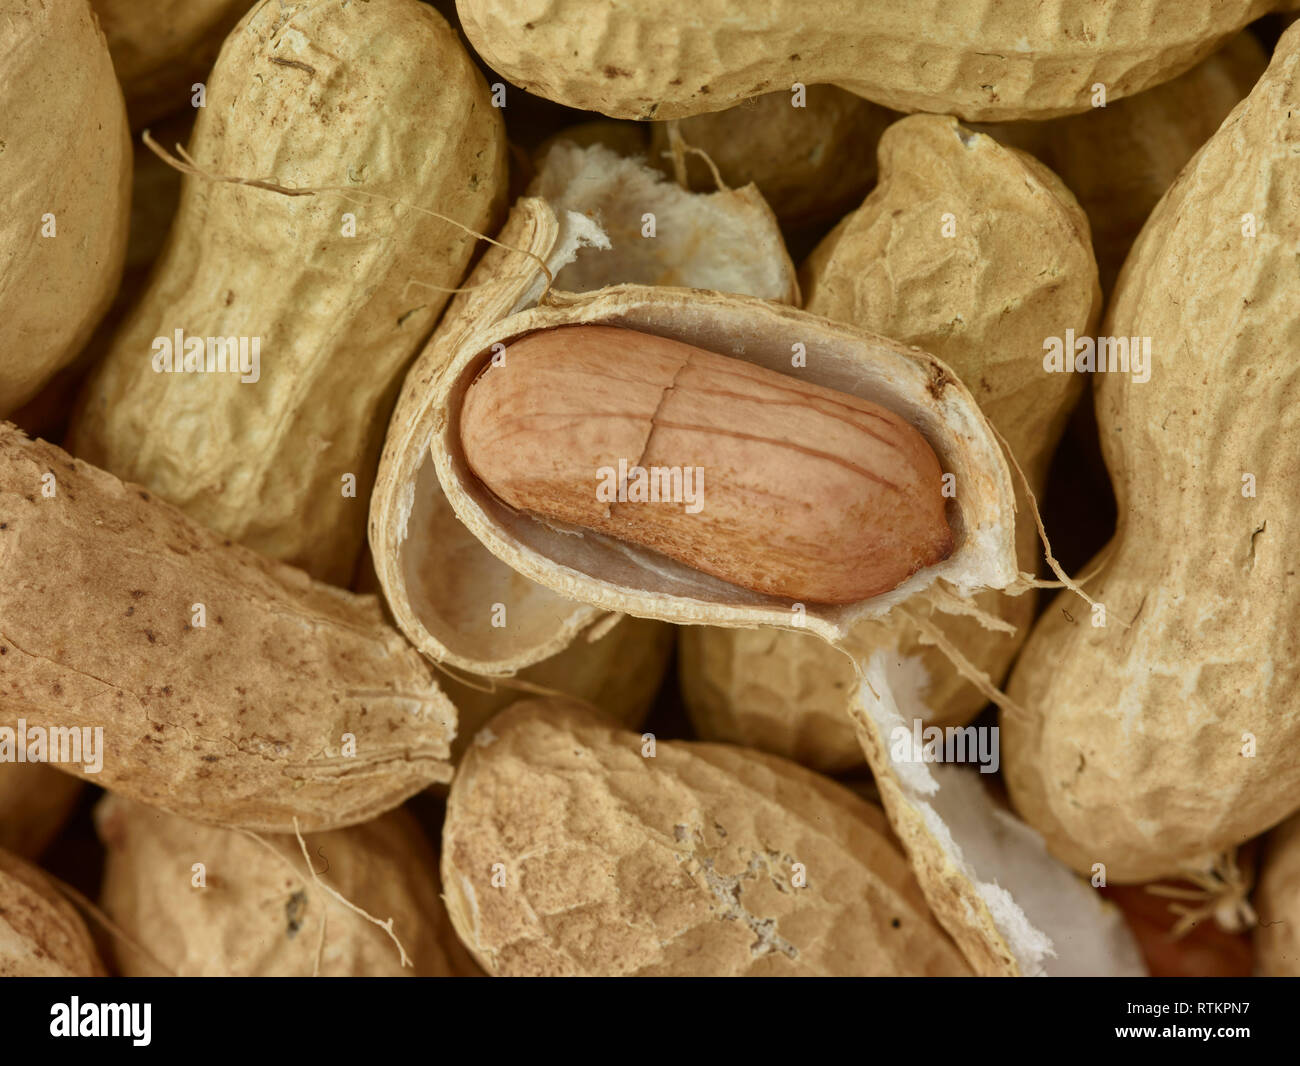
point(380, 103)
point(260, 912)
point(1017, 269)
point(676, 865)
point(666, 59)
point(241, 721)
point(65, 176)
point(1168, 734)
point(41, 934)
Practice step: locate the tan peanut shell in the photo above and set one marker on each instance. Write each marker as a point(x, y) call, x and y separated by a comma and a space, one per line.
point(1168, 733)
point(65, 172)
point(585, 218)
point(379, 103)
point(155, 191)
point(813, 158)
point(1277, 902)
point(683, 864)
point(663, 59)
point(795, 490)
point(240, 721)
point(162, 48)
point(41, 934)
point(35, 801)
point(259, 913)
point(1017, 269)
point(616, 672)
point(1119, 159)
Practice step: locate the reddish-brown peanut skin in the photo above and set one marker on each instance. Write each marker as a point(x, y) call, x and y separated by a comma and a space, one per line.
point(808, 493)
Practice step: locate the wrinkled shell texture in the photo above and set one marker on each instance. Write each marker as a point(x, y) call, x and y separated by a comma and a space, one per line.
point(65, 152)
point(379, 103)
point(160, 49)
point(617, 864)
point(1132, 752)
point(1019, 269)
point(41, 935)
point(666, 59)
point(238, 722)
point(1277, 901)
point(260, 912)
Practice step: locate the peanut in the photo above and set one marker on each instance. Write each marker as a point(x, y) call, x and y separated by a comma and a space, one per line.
point(1012, 267)
point(819, 495)
point(65, 171)
point(226, 685)
point(256, 911)
point(566, 852)
point(665, 59)
point(41, 935)
point(1164, 730)
point(379, 103)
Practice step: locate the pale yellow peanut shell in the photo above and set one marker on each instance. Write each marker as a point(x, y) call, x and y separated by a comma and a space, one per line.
point(41, 934)
point(682, 864)
point(241, 721)
point(161, 48)
point(1277, 902)
point(811, 162)
point(260, 912)
point(35, 801)
point(663, 59)
point(155, 191)
point(585, 219)
point(617, 673)
point(1169, 734)
point(1017, 269)
point(377, 106)
point(65, 172)
point(1120, 159)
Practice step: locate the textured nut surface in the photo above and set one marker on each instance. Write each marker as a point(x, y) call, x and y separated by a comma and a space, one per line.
point(41, 935)
point(260, 913)
point(1014, 59)
point(681, 864)
point(1134, 748)
point(65, 185)
point(240, 721)
point(806, 493)
point(379, 103)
